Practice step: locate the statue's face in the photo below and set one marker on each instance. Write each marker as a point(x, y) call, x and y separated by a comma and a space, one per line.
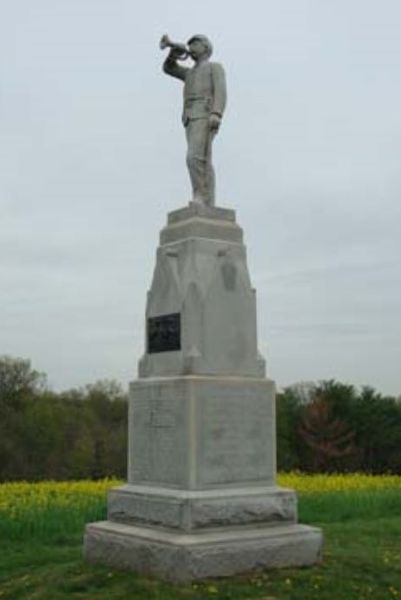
point(197, 49)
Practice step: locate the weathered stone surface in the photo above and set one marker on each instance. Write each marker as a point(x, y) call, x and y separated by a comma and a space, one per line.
point(195, 510)
point(202, 432)
point(184, 558)
point(201, 274)
point(196, 209)
point(202, 228)
point(201, 499)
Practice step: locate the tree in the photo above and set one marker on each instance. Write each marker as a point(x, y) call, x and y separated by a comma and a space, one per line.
point(377, 423)
point(288, 410)
point(329, 438)
point(19, 385)
point(18, 381)
point(108, 406)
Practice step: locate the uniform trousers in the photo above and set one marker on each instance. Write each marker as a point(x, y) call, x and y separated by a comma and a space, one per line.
point(199, 160)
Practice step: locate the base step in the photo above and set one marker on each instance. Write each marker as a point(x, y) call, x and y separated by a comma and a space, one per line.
point(181, 557)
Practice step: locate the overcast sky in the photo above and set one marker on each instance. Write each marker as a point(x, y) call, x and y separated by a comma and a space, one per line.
point(92, 159)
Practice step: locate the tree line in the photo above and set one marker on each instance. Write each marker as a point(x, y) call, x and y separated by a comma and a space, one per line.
point(82, 433)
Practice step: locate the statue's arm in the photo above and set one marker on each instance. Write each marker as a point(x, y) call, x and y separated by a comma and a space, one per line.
point(220, 90)
point(171, 67)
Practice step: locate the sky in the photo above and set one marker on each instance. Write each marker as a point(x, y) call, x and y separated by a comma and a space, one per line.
point(92, 160)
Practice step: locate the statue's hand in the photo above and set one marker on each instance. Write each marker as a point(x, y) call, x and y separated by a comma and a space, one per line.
point(214, 122)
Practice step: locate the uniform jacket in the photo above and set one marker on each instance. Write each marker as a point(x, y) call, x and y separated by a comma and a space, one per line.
point(204, 88)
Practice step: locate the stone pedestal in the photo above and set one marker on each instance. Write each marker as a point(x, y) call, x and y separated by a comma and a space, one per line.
point(201, 499)
point(201, 278)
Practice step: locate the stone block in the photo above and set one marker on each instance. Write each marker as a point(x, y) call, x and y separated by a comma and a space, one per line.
point(202, 432)
point(184, 558)
point(201, 277)
point(196, 209)
point(199, 510)
point(202, 228)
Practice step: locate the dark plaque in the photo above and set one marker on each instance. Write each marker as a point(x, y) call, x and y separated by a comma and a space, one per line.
point(164, 333)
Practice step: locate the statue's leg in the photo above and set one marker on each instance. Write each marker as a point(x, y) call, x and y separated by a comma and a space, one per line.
point(197, 132)
point(211, 180)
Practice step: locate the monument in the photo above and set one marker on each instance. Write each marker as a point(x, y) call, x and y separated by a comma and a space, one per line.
point(201, 498)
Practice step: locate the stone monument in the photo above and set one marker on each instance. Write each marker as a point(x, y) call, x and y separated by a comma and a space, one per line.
point(201, 498)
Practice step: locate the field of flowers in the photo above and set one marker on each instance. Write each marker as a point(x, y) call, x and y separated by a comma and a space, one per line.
point(304, 483)
point(17, 497)
point(42, 524)
point(58, 509)
point(51, 509)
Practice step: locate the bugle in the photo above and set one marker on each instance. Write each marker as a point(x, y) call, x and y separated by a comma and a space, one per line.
point(180, 50)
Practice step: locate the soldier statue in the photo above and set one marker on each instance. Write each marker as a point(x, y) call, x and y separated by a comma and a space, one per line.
point(204, 103)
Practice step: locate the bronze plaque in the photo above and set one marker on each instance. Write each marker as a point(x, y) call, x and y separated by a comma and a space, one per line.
point(164, 333)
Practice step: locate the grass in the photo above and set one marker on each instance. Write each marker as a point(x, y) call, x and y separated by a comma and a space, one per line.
point(41, 556)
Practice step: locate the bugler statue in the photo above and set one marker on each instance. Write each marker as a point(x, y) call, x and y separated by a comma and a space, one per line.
point(204, 103)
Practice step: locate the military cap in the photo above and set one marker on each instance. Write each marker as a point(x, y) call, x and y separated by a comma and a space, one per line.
point(205, 40)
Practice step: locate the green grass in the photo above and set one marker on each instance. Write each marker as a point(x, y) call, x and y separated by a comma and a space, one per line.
point(41, 558)
point(54, 524)
point(330, 507)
